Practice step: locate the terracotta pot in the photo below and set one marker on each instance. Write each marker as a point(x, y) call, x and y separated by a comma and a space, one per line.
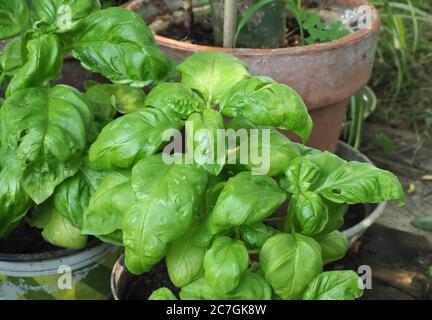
point(326, 75)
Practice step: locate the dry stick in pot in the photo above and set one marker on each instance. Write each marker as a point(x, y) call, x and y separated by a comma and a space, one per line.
point(189, 18)
point(230, 21)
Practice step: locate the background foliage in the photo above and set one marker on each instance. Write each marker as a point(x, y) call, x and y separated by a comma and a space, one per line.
point(402, 78)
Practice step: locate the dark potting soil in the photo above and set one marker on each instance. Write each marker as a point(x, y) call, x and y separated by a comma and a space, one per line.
point(140, 288)
point(25, 239)
point(202, 33)
point(356, 213)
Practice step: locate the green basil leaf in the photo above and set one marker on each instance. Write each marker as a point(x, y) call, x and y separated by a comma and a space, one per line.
point(357, 182)
point(14, 18)
point(14, 201)
point(327, 163)
point(62, 15)
point(334, 285)
point(176, 99)
point(308, 212)
point(290, 262)
point(168, 197)
point(13, 57)
point(40, 215)
point(48, 128)
point(71, 197)
point(106, 98)
point(211, 74)
point(214, 188)
point(185, 258)
point(116, 43)
point(203, 237)
point(334, 246)
point(252, 286)
point(130, 138)
point(204, 140)
point(256, 234)
point(336, 215)
point(115, 238)
point(162, 294)
point(199, 290)
point(88, 84)
point(267, 103)
point(44, 63)
point(58, 230)
point(245, 199)
point(95, 129)
point(109, 203)
point(151, 175)
point(301, 174)
point(224, 264)
point(281, 150)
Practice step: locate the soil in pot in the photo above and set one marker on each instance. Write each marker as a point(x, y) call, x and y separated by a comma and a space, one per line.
point(26, 239)
point(356, 214)
point(202, 31)
point(140, 288)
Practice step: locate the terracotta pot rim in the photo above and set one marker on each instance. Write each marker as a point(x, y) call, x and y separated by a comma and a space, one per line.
point(301, 50)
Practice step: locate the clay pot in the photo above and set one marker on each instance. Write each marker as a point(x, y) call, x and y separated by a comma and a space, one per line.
point(326, 75)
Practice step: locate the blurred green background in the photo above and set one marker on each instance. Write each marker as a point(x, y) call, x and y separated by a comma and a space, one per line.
point(402, 78)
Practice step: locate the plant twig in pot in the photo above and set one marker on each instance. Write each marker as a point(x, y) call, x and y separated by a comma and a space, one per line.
point(230, 21)
point(189, 18)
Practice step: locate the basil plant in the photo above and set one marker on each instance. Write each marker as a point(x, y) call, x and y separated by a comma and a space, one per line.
point(232, 246)
point(113, 42)
point(103, 163)
point(214, 223)
point(46, 130)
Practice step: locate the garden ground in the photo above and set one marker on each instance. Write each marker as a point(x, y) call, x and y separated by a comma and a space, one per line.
point(398, 253)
